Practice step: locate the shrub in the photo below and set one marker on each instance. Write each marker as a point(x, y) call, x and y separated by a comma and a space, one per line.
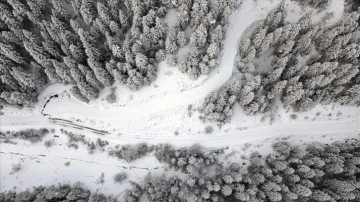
point(120, 177)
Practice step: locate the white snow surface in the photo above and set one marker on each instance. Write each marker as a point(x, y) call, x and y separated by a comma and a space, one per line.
point(153, 115)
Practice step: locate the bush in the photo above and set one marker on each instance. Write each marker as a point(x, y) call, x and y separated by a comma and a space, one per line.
point(208, 129)
point(73, 139)
point(61, 192)
point(131, 152)
point(111, 98)
point(15, 168)
point(49, 143)
point(188, 160)
point(32, 135)
point(120, 177)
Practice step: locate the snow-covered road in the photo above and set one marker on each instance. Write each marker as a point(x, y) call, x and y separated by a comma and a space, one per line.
point(232, 137)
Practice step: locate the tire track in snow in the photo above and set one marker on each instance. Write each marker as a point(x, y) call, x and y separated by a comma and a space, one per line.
point(46, 157)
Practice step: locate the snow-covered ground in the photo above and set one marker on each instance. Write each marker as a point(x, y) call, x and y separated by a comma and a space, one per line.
point(165, 112)
point(46, 166)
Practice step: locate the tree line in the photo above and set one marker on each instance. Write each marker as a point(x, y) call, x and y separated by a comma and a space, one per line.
point(61, 192)
point(312, 172)
point(31, 135)
point(314, 3)
point(289, 173)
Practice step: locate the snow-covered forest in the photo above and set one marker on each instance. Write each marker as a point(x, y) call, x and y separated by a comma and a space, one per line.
point(90, 44)
point(299, 64)
point(179, 100)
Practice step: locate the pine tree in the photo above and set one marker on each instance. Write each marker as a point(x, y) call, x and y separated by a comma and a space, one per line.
point(18, 98)
point(199, 37)
point(304, 43)
point(182, 39)
point(53, 49)
point(285, 35)
point(101, 74)
point(141, 60)
point(259, 36)
point(277, 35)
point(279, 66)
point(244, 47)
point(293, 91)
point(350, 52)
point(326, 39)
point(88, 11)
point(265, 45)
point(346, 77)
point(321, 196)
point(19, 7)
point(276, 89)
point(285, 48)
point(27, 80)
point(246, 96)
point(226, 190)
point(10, 52)
point(305, 22)
point(250, 56)
point(62, 71)
point(170, 43)
point(9, 37)
point(11, 82)
point(8, 17)
point(104, 13)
